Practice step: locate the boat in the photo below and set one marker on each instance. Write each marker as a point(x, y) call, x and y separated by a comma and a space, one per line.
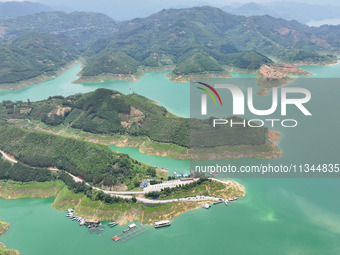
point(163, 223)
point(206, 206)
point(112, 224)
point(69, 210)
point(226, 202)
point(133, 225)
point(217, 202)
point(82, 222)
point(232, 199)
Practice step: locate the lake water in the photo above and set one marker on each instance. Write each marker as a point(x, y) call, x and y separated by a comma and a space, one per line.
point(278, 216)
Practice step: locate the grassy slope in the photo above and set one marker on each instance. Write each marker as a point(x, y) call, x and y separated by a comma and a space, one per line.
point(15, 190)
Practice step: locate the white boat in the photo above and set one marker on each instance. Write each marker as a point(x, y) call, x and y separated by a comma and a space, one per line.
point(163, 223)
point(133, 225)
point(82, 222)
point(206, 206)
point(226, 202)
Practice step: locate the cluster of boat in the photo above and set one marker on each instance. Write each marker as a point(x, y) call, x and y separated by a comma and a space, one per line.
point(70, 214)
point(82, 221)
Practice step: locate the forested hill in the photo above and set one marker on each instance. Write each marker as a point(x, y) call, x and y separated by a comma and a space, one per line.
point(94, 163)
point(33, 54)
point(41, 44)
point(190, 41)
point(206, 38)
point(110, 112)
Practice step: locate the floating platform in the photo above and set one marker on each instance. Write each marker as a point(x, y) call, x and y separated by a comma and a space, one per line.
point(116, 238)
point(130, 233)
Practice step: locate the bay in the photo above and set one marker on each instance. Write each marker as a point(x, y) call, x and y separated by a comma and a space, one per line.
point(278, 216)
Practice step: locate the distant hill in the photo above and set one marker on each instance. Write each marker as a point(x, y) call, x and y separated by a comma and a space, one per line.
point(302, 12)
point(41, 44)
point(14, 9)
point(203, 39)
point(34, 54)
point(190, 41)
point(83, 26)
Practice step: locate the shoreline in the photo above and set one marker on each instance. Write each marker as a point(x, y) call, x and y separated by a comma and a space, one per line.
point(39, 79)
point(147, 146)
point(137, 76)
point(4, 227)
point(124, 213)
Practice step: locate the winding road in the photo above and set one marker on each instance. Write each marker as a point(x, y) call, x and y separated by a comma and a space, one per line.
point(130, 194)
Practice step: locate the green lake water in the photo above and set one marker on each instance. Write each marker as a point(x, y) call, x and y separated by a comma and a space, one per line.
point(155, 86)
point(278, 216)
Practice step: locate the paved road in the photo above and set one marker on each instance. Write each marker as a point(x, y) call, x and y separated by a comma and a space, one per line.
point(7, 157)
point(128, 194)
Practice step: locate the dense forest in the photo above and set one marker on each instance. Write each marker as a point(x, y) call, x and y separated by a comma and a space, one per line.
point(33, 54)
point(190, 41)
point(23, 173)
point(109, 112)
point(94, 163)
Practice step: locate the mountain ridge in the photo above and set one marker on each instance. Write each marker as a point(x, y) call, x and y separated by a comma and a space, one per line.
point(174, 38)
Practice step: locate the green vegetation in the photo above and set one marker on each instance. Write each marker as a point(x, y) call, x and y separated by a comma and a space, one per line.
point(3, 249)
point(109, 112)
point(34, 54)
point(305, 57)
point(96, 164)
point(82, 27)
point(125, 212)
point(203, 186)
point(196, 63)
point(16, 190)
point(193, 41)
point(93, 194)
point(3, 227)
point(66, 199)
point(23, 173)
point(39, 45)
point(117, 63)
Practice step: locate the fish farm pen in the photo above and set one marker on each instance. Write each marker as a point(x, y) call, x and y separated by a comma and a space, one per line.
point(130, 233)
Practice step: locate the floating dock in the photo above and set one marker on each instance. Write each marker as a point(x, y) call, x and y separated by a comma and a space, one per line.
point(130, 233)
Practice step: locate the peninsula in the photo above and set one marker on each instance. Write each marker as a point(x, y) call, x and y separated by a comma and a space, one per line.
point(109, 117)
